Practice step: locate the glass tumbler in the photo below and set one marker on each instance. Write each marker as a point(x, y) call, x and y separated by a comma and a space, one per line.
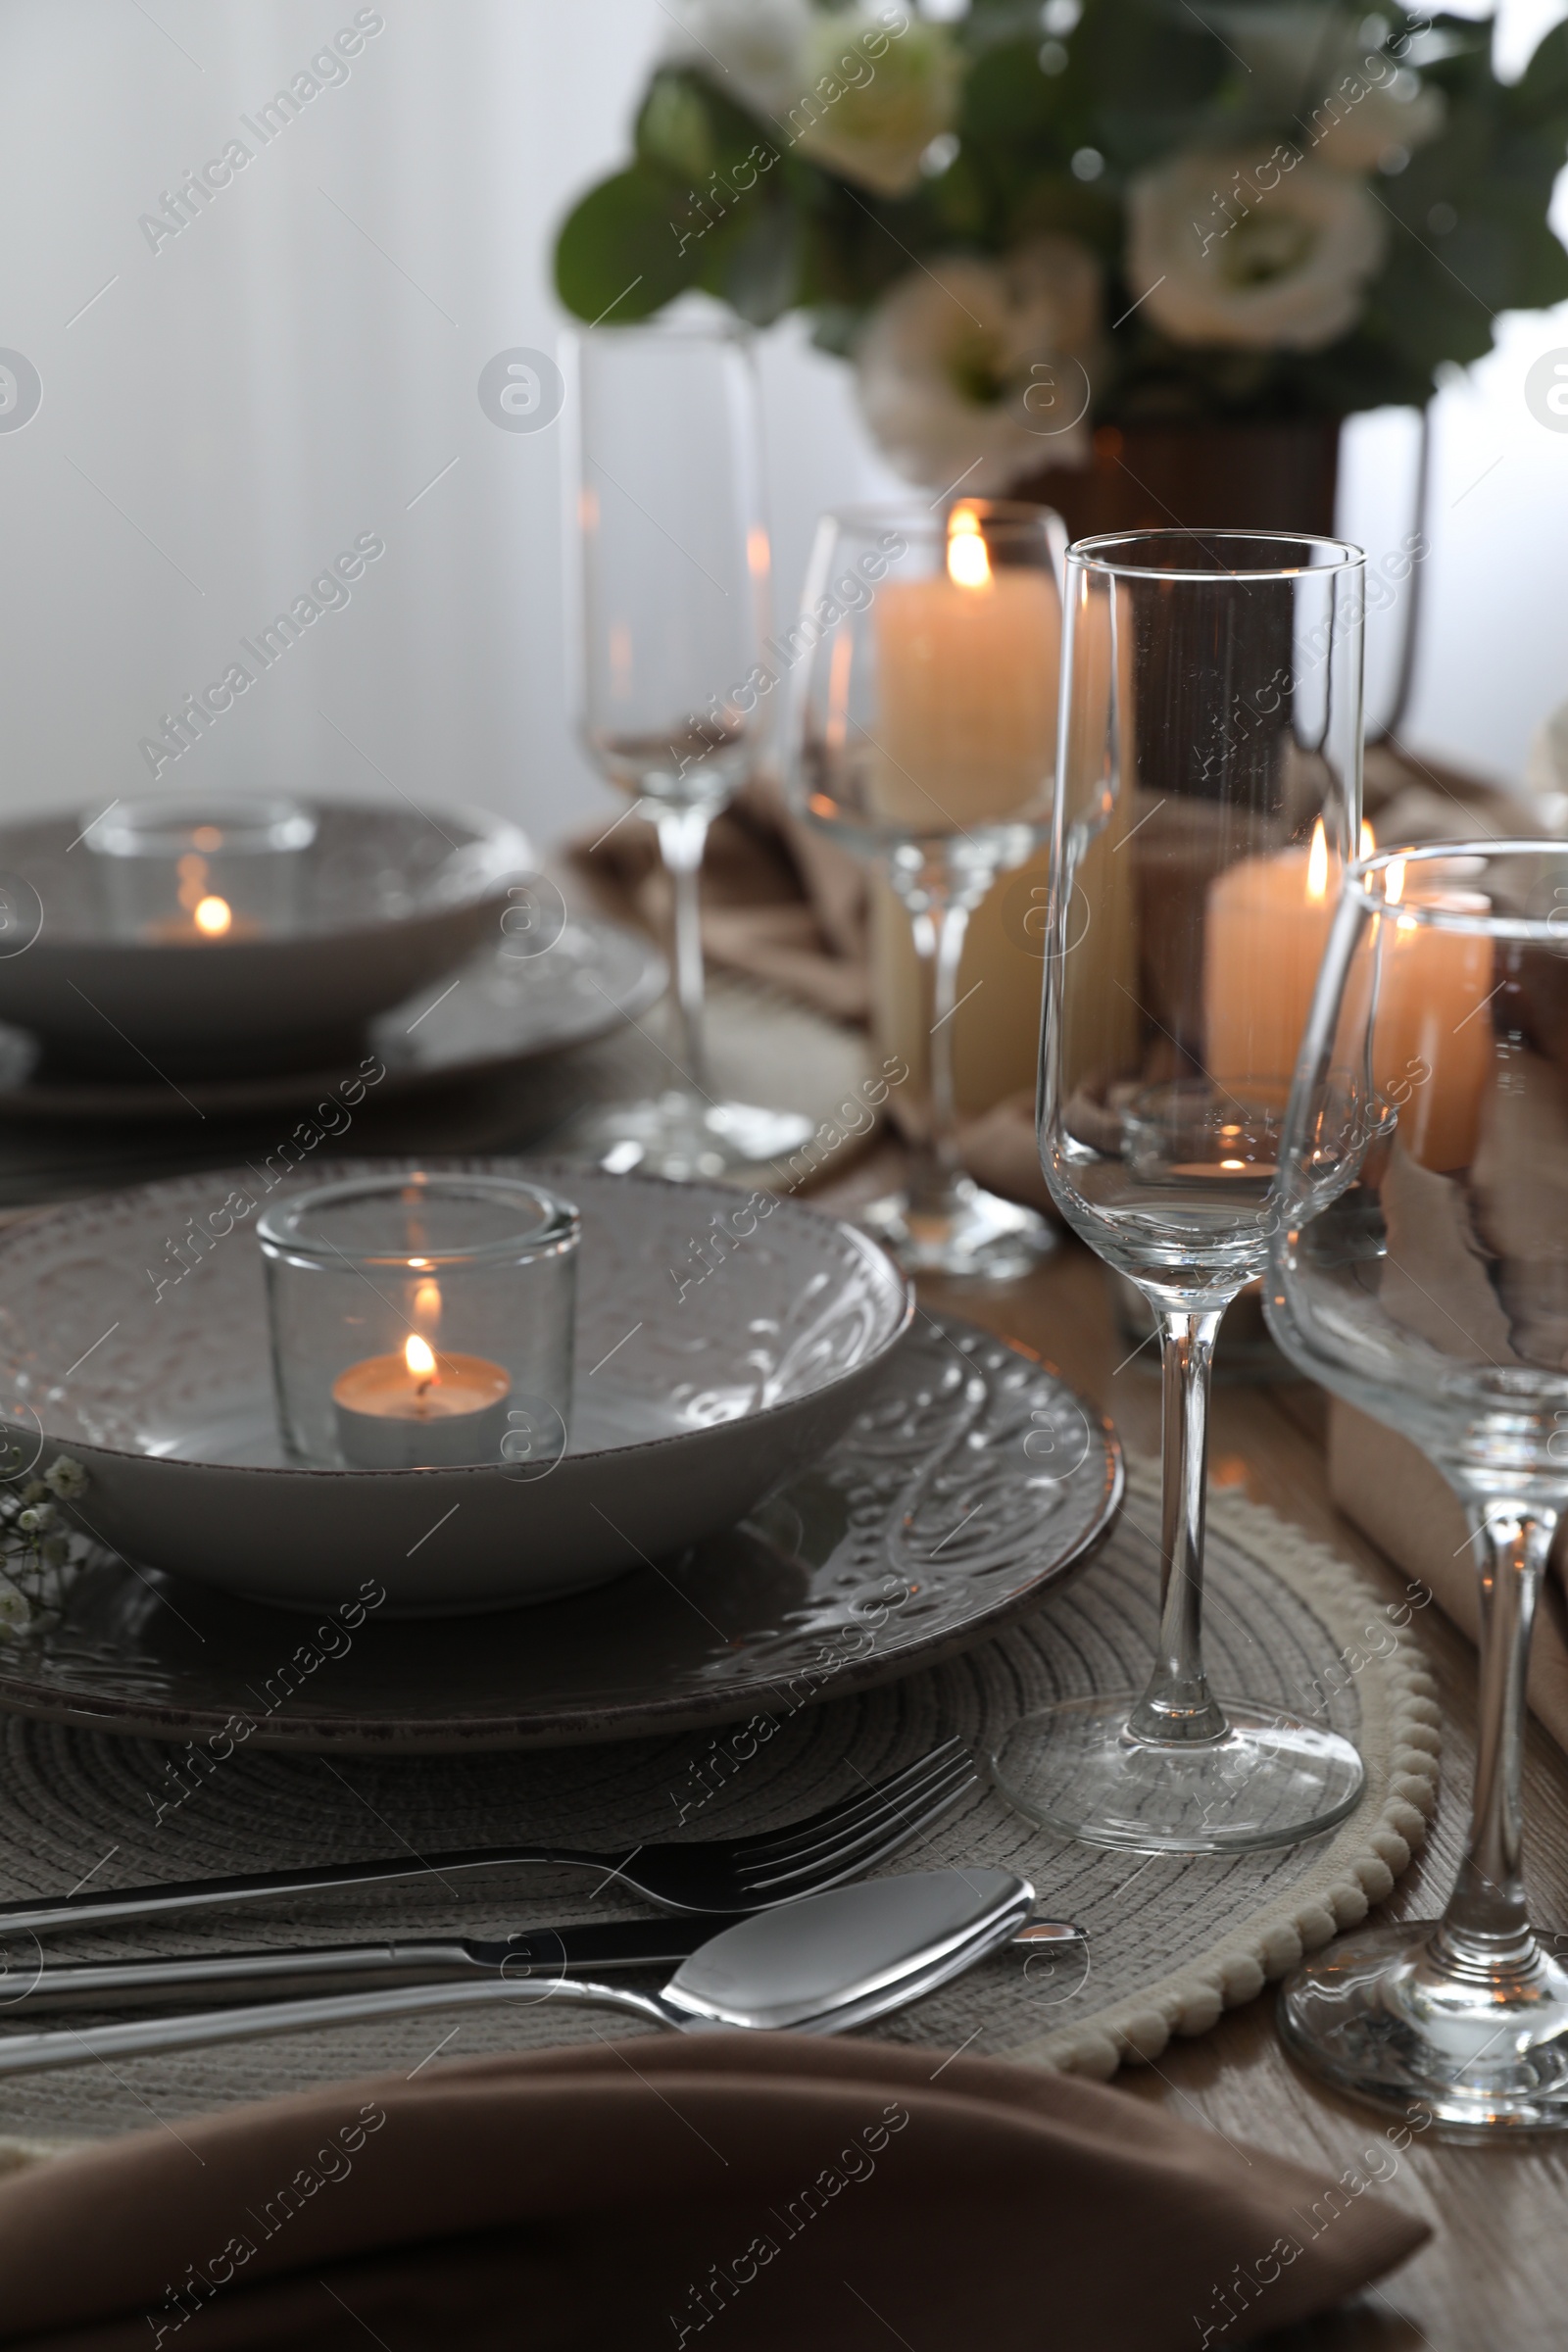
point(421, 1321)
point(183, 870)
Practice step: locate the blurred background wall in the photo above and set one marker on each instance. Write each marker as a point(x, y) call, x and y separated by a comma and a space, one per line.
point(224, 408)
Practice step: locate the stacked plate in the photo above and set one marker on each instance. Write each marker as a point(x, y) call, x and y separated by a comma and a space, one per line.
point(770, 1486)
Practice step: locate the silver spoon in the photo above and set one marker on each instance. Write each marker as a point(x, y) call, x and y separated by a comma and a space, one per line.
point(817, 1966)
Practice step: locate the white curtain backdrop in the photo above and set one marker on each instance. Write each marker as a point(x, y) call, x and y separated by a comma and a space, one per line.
point(225, 408)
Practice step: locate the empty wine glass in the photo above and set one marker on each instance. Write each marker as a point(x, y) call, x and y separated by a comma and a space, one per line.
point(1209, 794)
point(1421, 1270)
point(922, 734)
point(671, 550)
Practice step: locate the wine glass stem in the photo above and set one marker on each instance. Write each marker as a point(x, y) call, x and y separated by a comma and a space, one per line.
point(1176, 1709)
point(1486, 1928)
point(940, 928)
point(682, 839)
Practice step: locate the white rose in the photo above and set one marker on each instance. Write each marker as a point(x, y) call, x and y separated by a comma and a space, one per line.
point(754, 50)
point(879, 86)
point(975, 370)
point(1288, 271)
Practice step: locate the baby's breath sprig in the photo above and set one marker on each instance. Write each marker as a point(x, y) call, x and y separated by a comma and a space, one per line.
point(39, 1551)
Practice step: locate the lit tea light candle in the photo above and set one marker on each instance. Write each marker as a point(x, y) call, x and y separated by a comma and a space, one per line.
point(417, 1411)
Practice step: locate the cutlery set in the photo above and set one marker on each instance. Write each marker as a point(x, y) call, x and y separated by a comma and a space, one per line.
point(766, 1932)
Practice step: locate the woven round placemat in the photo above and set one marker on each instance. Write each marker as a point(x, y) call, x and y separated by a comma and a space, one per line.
point(1174, 1939)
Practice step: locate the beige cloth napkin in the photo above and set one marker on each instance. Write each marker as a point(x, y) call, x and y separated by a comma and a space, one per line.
point(779, 2190)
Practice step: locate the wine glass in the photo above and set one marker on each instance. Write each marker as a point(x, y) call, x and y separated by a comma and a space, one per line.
point(1209, 780)
point(922, 734)
point(1420, 1269)
point(671, 553)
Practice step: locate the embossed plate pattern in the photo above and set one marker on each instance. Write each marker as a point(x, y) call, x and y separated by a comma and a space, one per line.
point(975, 1484)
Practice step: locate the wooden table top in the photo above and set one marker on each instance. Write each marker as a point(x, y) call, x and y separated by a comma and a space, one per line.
point(1495, 2276)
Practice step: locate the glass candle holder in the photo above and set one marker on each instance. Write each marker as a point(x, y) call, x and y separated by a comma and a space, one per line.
point(186, 870)
point(423, 1321)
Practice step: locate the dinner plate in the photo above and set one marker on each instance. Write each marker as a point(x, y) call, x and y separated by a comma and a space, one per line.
point(720, 1344)
point(975, 1482)
point(496, 1009)
point(389, 898)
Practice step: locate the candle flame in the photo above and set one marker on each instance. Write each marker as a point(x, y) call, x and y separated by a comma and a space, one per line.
point(1369, 841)
point(213, 916)
point(968, 562)
point(417, 1356)
point(1317, 866)
point(1393, 882)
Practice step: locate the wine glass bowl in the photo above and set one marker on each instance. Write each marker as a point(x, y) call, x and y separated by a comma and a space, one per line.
point(1208, 798)
point(922, 737)
point(1420, 1269)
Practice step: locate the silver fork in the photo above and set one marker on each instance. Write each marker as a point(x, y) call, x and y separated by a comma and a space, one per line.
point(713, 1874)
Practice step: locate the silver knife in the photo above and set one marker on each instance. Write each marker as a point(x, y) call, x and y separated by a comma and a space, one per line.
point(310, 1971)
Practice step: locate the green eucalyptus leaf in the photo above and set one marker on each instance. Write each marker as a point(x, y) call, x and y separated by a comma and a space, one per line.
point(631, 245)
point(756, 266)
point(1540, 95)
point(673, 130)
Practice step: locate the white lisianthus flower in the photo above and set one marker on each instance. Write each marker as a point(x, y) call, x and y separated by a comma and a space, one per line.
point(978, 370)
point(1288, 271)
point(880, 86)
point(754, 50)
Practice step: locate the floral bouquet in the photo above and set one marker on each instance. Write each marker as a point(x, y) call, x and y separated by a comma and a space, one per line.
point(1028, 222)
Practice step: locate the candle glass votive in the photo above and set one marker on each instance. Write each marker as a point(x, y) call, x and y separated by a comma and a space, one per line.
point(422, 1320)
point(178, 870)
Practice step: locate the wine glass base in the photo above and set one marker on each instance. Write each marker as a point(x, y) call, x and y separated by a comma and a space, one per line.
point(684, 1137)
point(973, 1233)
point(1386, 2019)
point(1272, 1780)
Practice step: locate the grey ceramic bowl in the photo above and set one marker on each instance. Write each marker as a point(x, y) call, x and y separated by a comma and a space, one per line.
point(389, 900)
point(689, 1404)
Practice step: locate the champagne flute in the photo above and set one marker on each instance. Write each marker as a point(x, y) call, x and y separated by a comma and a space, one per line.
point(1420, 1269)
point(672, 559)
point(1210, 776)
point(922, 735)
